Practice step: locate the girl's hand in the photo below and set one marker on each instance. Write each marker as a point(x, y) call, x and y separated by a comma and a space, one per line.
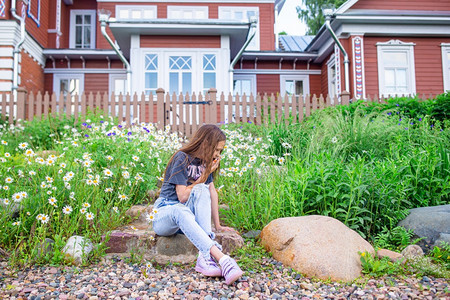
point(225, 228)
point(216, 163)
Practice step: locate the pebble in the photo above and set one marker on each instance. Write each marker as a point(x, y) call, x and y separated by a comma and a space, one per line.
point(120, 280)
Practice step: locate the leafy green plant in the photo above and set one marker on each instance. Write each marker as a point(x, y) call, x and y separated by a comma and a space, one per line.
point(373, 266)
point(395, 239)
point(441, 254)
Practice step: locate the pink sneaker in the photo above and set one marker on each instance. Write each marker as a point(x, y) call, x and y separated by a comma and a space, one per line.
point(207, 267)
point(230, 270)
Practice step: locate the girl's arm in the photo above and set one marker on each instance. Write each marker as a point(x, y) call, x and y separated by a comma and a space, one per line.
point(183, 192)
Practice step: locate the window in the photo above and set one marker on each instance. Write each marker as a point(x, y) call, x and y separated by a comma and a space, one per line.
point(294, 85)
point(145, 12)
point(242, 14)
point(82, 29)
point(209, 72)
point(396, 73)
point(446, 65)
point(180, 74)
point(332, 78)
point(244, 84)
point(151, 73)
point(117, 84)
point(69, 85)
point(187, 12)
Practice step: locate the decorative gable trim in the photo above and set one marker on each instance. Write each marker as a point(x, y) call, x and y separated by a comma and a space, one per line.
point(395, 43)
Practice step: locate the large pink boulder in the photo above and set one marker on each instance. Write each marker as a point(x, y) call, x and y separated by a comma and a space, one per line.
point(316, 246)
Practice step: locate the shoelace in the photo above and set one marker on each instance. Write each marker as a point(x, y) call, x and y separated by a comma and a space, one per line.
point(227, 267)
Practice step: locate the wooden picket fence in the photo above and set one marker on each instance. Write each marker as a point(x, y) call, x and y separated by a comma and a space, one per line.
point(184, 113)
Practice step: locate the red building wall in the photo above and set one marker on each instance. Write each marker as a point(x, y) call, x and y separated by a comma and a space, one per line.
point(31, 75)
point(179, 41)
point(267, 83)
point(96, 83)
point(427, 61)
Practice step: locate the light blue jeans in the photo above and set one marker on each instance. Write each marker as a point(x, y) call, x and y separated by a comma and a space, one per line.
point(193, 218)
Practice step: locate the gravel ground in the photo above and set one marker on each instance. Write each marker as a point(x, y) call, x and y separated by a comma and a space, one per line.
point(117, 279)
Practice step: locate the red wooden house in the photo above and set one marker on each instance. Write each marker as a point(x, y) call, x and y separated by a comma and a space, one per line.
point(382, 47)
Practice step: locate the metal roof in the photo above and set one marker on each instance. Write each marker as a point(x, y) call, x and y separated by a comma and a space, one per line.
point(294, 42)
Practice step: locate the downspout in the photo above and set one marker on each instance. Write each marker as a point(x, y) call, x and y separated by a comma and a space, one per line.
point(276, 13)
point(16, 51)
point(103, 18)
point(346, 60)
point(251, 34)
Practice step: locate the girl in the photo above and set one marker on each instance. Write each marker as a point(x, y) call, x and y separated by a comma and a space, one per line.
point(188, 198)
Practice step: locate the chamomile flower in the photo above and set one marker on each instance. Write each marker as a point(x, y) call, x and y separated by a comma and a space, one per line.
point(281, 160)
point(7, 154)
point(9, 180)
point(43, 218)
point(62, 165)
point(4, 142)
point(135, 158)
point(123, 197)
point(17, 223)
point(150, 217)
point(23, 145)
point(83, 210)
point(6, 201)
point(86, 205)
point(6, 188)
point(115, 209)
point(90, 216)
point(334, 140)
point(49, 179)
point(29, 152)
point(67, 210)
point(125, 174)
point(108, 172)
point(17, 197)
point(50, 162)
point(52, 201)
point(108, 190)
point(109, 157)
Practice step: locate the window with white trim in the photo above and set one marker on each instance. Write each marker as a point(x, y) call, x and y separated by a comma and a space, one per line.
point(187, 12)
point(446, 65)
point(243, 14)
point(82, 29)
point(151, 74)
point(244, 84)
point(209, 72)
point(71, 86)
point(136, 12)
point(332, 77)
point(294, 85)
point(180, 74)
point(396, 72)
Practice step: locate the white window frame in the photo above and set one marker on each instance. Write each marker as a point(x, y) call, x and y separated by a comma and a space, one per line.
point(304, 78)
point(197, 68)
point(250, 77)
point(173, 9)
point(396, 46)
point(58, 77)
point(332, 64)
point(142, 9)
point(112, 78)
point(255, 43)
point(445, 66)
point(73, 14)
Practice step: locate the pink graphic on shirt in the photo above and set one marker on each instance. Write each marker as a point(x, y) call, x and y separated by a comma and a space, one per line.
point(195, 172)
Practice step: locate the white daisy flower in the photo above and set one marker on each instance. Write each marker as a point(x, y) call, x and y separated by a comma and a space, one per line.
point(67, 210)
point(90, 216)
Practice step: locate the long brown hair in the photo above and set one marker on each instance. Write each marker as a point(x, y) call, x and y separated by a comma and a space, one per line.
point(202, 145)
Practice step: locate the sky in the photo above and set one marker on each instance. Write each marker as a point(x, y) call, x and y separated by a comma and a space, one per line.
point(288, 20)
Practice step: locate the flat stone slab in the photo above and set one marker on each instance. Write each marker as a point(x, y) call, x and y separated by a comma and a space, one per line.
point(139, 238)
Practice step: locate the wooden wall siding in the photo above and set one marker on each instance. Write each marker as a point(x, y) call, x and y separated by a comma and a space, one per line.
point(427, 60)
point(324, 77)
point(48, 83)
point(267, 83)
point(182, 114)
point(275, 65)
point(179, 41)
point(441, 5)
point(40, 34)
point(96, 83)
point(266, 18)
point(315, 85)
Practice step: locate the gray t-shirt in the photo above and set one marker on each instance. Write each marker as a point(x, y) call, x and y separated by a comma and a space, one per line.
point(182, 171)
